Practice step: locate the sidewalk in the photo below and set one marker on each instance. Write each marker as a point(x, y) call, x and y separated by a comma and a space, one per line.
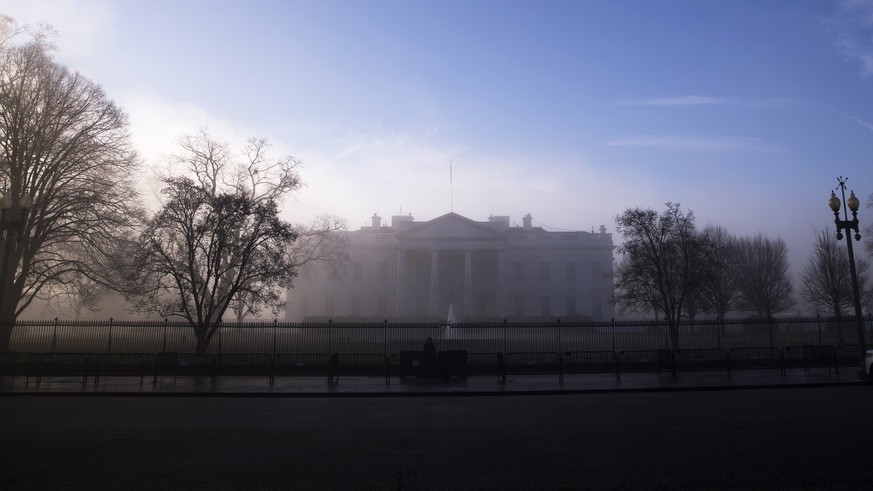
point(474, 385)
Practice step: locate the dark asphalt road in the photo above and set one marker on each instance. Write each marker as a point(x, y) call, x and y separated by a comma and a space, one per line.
point(799, 438)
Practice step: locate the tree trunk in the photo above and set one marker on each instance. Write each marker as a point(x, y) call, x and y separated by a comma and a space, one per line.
point(203, 334)
point(200, 334)
point(674, 344)
point(6, 326)
point(9, 294)
point(8, 299)
point(674, 338)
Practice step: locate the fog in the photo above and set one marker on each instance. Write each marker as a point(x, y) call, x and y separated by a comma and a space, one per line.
point(572, 113)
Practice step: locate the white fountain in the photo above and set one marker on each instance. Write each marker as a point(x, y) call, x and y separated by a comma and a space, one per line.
point(447, 325)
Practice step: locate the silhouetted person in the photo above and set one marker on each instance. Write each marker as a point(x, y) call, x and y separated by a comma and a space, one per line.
point(429, 347)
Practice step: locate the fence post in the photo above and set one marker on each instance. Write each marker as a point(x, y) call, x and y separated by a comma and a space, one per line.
point(560, 344)
point(275, 322)
point(818, 322)
point(219, 336)
point(109, 340)
point(385, 337)
point(164, 342)
point(55, 335)
point(667, 333)
point(329, 336)
point(719, 328)
point(612, 323)
point(770, 329)
point(504, 336)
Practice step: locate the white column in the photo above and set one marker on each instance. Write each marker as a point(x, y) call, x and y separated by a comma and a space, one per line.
point(401, 277)
point(468, 282)
point(434, 281)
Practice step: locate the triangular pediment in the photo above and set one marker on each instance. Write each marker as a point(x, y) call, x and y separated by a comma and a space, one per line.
point(450, 226)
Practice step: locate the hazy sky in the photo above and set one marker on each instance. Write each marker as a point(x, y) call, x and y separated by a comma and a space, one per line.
point(743, 111)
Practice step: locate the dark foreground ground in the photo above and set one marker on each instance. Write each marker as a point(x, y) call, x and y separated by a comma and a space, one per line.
point(788, 438)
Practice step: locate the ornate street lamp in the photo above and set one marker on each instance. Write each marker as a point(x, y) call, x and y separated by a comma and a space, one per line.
point(850, 225)
point(13, 223)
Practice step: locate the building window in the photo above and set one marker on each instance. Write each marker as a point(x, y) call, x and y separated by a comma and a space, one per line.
point(595, 271)
point(519, 271)
point(570, 271)
point(545, 306)
point(519, 306)
point(357, 271)
point(545, 271)
point(383, 271)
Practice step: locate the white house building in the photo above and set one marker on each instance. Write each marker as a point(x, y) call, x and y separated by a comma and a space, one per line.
point(453, 266)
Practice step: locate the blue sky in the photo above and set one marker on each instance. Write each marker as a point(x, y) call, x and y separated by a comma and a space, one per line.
point(743, 111)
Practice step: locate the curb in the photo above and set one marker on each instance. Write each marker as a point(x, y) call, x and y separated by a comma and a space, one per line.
point(453, 393)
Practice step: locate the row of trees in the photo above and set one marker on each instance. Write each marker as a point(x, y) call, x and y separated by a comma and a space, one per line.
point(215, 246)
point(671, 268)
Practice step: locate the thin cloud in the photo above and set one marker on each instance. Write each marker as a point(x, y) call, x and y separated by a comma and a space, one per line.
point(709, 143)
point(700, 100)
point(685, 100)
point(860, 121)
point(852, 27)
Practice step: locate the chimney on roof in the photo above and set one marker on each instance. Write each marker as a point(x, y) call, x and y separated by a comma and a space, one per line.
point(500, 223)
point(398, 222)
point(377, 221)
point(526, 220)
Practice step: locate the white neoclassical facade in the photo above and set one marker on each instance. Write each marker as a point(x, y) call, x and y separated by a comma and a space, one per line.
point(455, 267)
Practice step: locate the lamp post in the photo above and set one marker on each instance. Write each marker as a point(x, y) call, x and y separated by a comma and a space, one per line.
point(11, 222)
point(850, 225)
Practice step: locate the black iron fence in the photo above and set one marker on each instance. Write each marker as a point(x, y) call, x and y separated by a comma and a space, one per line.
point(149, 350)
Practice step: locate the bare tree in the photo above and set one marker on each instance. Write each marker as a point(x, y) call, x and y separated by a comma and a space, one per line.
point(66, 145)
point(694, 304)
point(763, 277)
point(826, 282)
point(718, 287)
point(217, 243)
point(662, 257)
point(325, 240)
point(10, 29)
point(201, 251)
point(255, 174)
point(76, 299)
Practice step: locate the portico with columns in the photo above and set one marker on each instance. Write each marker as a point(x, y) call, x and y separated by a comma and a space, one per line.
point(481, 269)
